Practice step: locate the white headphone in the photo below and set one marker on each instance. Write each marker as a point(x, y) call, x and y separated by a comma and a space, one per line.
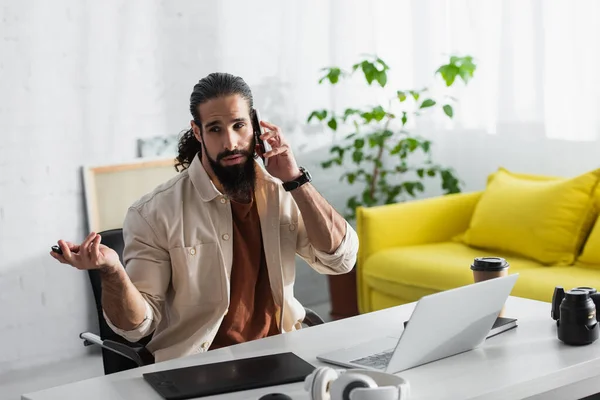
point(326, 383)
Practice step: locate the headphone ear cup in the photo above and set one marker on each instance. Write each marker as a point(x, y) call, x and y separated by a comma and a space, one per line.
point(347, 382)
point(317, 384)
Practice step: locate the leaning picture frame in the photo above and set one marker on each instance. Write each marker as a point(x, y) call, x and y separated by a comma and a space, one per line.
point(110, 189)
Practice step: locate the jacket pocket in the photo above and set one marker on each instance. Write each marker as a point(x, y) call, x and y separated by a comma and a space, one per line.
point(197, 274)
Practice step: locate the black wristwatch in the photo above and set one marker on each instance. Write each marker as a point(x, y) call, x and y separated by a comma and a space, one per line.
point(301, 180)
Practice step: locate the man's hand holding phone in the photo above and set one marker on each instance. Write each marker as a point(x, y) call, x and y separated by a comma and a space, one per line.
point(263, 146)
point(279, 159)
point(90, 254)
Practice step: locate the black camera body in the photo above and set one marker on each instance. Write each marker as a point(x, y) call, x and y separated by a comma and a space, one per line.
point(575, 314)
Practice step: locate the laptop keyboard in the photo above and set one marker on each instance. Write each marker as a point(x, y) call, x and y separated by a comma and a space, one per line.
point(377, 361)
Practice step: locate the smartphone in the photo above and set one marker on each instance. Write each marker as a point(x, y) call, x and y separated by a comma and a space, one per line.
point(57, 249)
point(258, 131)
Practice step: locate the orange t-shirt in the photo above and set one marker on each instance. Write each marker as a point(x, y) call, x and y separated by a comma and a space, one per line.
point(252, 311)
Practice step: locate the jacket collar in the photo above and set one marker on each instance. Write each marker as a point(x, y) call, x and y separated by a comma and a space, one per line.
point(207, 189)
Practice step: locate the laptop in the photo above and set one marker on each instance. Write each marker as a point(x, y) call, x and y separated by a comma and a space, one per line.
point(441, 325)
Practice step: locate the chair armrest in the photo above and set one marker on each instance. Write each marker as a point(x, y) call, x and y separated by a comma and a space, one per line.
point(430, 220)
point(136, 353)
point(312, 318)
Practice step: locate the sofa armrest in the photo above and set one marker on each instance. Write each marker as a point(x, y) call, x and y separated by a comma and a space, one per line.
point(431, 220)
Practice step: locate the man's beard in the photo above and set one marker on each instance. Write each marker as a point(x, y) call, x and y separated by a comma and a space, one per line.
point(238, 180)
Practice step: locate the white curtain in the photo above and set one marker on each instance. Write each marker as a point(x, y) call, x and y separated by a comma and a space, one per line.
point(120, 70)
point(537, 61)
point(100, 75)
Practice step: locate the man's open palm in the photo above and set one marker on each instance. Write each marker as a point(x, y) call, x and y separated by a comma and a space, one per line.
point(90, 254)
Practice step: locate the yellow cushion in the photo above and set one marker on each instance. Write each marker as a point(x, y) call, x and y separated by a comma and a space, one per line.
point(408, 273)
point(539, 285)
point(542, 218)
point(591, 250)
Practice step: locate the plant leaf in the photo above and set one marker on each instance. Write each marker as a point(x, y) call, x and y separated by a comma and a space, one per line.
point(412, 144)
point(332, 123)
point(448, 110)
point(319, 114)
point(350, 111)
point(397, 148)
point(351, 178)
point(326, 164)
point(427, 103)
point(367, 199)
point(373, 140)
point(426, 145)
point(369, 71)
point(367, 116)
point(401, 96)
point(383, 64)
point(336, 149)
point(334, 75)
point(382, 78)
point(378, 113)
point(449, 73)
point(404, 118)
point(449, 182)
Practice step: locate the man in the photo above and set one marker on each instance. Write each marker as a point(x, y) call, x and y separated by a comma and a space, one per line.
point(210, 254)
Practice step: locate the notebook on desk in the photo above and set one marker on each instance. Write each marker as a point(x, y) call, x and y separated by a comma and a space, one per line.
point(502, 324)
point(229, 376)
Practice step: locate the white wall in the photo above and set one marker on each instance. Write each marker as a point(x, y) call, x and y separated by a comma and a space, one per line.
point(73, 91)
point(475, 154)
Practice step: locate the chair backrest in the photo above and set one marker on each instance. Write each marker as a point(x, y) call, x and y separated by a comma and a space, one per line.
point(112, 362)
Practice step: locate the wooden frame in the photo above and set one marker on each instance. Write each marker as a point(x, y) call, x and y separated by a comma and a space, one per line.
point(110, 189)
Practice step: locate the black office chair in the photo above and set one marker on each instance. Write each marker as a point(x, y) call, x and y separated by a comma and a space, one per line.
point(119, 354)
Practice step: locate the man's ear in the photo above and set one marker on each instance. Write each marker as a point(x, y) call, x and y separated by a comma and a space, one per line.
point(196, 130)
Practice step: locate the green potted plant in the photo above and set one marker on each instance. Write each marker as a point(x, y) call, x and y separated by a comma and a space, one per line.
point(378, 151)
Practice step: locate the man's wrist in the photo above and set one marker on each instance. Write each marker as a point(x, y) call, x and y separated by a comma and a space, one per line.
point(111, 269)
point(302, 193)
point(292, 176)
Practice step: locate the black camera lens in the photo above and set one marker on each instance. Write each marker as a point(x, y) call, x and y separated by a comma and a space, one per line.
point(577, 296)
point(577, 324)
point(590, 290)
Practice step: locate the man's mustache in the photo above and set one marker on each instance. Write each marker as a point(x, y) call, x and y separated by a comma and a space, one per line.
point(229, 153)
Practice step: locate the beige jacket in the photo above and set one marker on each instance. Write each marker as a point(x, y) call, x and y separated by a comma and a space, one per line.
point(178, 253)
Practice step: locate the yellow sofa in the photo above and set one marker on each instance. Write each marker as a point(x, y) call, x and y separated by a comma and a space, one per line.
point(411, 249)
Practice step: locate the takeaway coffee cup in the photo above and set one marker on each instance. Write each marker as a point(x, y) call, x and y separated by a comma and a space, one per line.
point(485, 268)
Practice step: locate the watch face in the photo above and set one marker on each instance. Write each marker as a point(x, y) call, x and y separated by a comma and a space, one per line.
point(304, 178)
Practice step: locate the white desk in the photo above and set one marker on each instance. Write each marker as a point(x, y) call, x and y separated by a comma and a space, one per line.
point(526, 362)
